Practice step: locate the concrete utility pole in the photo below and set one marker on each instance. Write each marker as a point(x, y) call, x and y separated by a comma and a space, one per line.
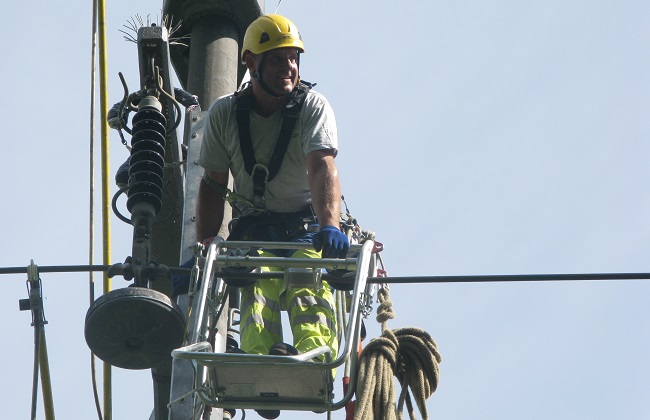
point(209, 68)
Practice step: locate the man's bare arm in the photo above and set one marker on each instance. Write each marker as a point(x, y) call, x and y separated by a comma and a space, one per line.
point(210, 205)
point(325, 189)
point(326, 200)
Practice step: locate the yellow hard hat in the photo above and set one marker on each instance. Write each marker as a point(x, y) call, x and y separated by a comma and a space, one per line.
point(268, 32)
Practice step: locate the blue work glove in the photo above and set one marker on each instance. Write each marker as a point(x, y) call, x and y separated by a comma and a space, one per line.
point(332, 242)
point(181, 282)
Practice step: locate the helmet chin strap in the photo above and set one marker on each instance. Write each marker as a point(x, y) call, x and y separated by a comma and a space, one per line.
point(258, 76)
point(264, 86)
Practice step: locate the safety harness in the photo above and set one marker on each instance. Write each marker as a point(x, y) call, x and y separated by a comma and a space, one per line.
point(260, 173)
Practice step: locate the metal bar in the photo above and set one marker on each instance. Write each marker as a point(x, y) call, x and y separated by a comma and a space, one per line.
point(46, 382)
point(56, 269)
point(37, 346)
point(41, 364)
point(277, 245)
point(35, 303)
point(206, 283)
point(331, 263)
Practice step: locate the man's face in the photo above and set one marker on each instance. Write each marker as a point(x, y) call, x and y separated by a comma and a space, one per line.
point(280, 70)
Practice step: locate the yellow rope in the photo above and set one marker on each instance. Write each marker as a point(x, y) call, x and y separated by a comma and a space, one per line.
point(411, 355)
point(106, 195)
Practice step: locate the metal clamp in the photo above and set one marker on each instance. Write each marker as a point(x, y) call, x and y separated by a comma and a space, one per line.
point(301, 278)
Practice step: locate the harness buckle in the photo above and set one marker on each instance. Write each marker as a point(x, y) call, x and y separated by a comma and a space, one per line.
point(259, 176)
point(263, 168)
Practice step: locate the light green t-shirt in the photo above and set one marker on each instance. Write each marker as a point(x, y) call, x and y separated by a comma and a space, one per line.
point(289, 190)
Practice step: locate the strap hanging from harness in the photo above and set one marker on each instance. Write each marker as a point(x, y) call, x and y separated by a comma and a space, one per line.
point(260, 173)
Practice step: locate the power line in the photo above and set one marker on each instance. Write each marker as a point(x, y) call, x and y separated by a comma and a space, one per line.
point(490, 278)
point(509, 278)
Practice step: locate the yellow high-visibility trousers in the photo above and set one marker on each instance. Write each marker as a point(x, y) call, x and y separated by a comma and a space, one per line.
point(311, 313)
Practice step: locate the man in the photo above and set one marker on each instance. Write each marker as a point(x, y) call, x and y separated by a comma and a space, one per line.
point(282, 190)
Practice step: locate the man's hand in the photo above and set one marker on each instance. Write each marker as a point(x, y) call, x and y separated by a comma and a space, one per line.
point(208, 241)
point(332, 242)
point(181, 282)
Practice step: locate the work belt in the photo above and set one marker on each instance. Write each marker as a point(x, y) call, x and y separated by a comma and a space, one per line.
point(273, 227)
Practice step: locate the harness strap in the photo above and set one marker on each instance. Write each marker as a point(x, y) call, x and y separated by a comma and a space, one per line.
point(259, 173)
point(243, 107)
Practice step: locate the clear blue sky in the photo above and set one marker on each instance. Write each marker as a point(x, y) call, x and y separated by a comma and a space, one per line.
point(477, 137)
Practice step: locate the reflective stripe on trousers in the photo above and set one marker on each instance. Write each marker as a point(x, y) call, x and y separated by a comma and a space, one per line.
point(311, 314)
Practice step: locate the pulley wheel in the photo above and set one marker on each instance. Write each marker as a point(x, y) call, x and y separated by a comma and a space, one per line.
point(134, 328)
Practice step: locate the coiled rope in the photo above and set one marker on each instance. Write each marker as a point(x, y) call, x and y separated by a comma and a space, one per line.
point(410, 354)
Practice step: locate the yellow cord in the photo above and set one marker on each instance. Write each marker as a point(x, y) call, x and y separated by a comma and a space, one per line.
point(106, 199)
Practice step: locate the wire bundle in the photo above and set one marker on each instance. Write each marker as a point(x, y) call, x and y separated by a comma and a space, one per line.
point(411, 355)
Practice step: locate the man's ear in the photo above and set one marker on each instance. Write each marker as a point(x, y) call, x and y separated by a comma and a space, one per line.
point(251, 63)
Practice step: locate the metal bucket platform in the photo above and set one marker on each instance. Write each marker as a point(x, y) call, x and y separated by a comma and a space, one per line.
point(274, 382)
